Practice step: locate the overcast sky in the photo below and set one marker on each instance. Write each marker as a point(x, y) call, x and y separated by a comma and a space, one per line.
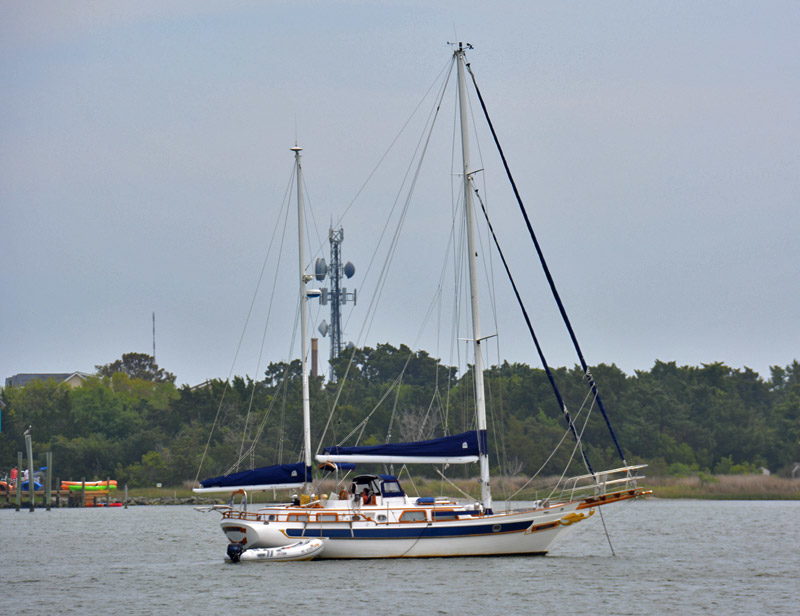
point(144, 160)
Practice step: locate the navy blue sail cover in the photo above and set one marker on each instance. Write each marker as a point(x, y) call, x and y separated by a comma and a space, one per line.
point(464, 444)
point(265, 475)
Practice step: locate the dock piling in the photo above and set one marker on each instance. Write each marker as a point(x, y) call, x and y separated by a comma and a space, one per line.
point(48, 483)
point(31, 481)
point(18, 486)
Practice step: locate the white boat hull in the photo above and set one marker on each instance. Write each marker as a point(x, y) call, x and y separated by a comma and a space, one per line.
point(530, 532)
point(394, 525)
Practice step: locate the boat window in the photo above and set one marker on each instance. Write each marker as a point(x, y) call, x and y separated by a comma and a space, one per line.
point(413, 516)
point(392, 488)
point(447, 514)
point(297, 517)
point(381, 518)
point(327, 517)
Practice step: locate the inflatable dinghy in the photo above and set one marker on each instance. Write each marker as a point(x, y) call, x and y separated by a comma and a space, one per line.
point(302, 550)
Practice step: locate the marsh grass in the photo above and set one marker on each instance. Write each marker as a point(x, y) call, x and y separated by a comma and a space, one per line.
point(726, 487)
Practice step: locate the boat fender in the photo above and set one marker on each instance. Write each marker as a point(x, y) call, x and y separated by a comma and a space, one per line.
point(235, 551)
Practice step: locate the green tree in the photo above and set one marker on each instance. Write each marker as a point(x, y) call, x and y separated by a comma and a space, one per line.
point(137, 366)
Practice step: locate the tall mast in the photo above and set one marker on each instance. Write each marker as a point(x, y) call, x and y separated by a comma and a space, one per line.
point(480, 399)
point(304, 278)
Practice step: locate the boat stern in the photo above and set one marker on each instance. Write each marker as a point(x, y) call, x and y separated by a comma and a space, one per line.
point(253, 534)
point(237, 532)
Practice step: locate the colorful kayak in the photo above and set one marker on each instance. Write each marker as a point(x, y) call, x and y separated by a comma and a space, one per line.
point(89, 488)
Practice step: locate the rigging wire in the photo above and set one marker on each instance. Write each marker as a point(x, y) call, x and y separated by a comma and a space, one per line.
point(283, 387)
point(284, 203)
point(421, 150)
point(552, 453)
point(561, 404)
point(250, 450)
point(587, 373)
point(435, 302)
point(599, 509)
point(497, 435)
point(459, 314)
point(267, 321)
point(284, 384)
point(448, 64)
point(363, 423)
point(398, 383)
point(309, 208)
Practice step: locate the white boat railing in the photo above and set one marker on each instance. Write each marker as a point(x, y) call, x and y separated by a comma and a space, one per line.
point(617, 479)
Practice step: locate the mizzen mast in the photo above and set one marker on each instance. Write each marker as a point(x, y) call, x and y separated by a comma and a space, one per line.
point(304, 279)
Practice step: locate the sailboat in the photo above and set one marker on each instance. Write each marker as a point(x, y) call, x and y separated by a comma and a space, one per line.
point(373, 517)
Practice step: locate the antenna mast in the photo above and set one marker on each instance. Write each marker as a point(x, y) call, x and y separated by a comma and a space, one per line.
point(336, 295)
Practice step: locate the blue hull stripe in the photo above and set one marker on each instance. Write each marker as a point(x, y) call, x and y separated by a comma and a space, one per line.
point(408, 532)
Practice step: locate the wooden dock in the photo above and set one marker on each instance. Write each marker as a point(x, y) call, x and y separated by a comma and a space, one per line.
point(61, 498)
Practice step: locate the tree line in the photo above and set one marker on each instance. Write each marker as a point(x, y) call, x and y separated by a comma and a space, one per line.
point(131, 422)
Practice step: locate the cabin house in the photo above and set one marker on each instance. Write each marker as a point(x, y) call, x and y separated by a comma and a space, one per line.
point(72, 379)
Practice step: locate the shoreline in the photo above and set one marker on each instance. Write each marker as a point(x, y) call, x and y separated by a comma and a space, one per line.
point(699, 487)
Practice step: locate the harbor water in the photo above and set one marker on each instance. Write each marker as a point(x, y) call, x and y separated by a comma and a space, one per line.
point(672, 556)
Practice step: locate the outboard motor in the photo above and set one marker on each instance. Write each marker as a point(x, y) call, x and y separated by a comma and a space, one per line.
point(235, 551)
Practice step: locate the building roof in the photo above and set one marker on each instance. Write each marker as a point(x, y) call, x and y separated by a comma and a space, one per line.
point(22, 379)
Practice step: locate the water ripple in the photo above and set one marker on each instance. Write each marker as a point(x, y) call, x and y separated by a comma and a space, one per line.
point(685, 557)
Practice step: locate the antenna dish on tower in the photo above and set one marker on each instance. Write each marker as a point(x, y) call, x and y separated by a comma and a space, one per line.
point(320, 269)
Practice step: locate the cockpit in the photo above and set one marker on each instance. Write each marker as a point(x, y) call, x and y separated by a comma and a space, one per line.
point(369, 487)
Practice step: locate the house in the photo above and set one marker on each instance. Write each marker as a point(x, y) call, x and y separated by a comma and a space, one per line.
point(204, 385)
point(72, 379)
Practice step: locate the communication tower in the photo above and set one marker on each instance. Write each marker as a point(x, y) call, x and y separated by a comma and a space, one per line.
point(336, 295)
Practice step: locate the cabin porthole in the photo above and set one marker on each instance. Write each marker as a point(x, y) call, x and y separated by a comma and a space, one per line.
point(381, 518)
point(496, 528)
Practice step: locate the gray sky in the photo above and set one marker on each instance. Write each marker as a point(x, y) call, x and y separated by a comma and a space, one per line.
point(144, 157)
